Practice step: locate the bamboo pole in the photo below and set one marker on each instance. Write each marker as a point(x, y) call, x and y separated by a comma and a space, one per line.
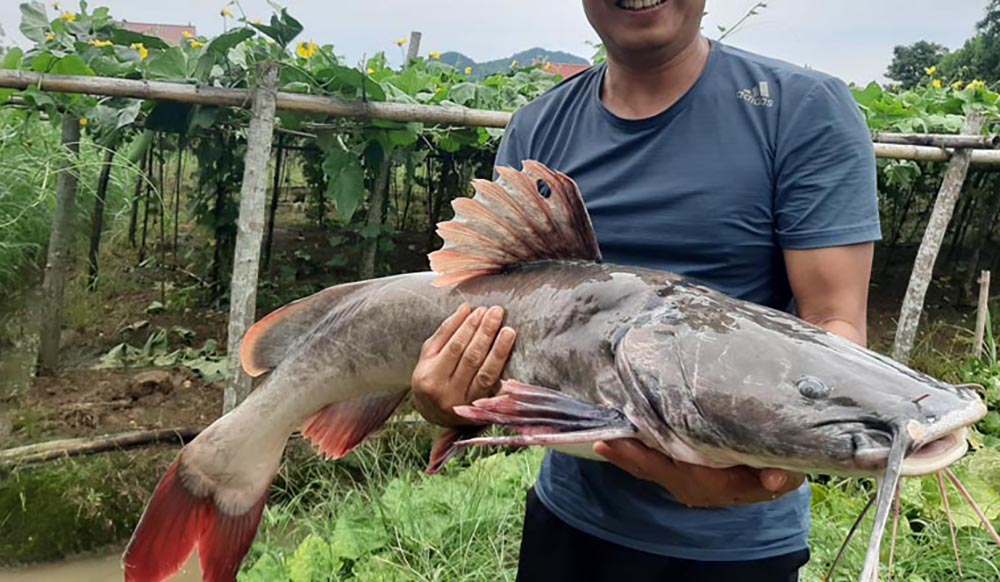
point(987, 142)
point(981, 313)
point(932, 154)
point(250, 230)
point(413, 51)
point(195, 94)
point(923, 266)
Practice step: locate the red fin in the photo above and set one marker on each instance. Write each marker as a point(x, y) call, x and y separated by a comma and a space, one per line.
point(265, 344)
point(535, 411)
point(226, 540)
point(167, 533)
point(444, 446)
point(337, 428)
point(175, 521)
point(509, 224)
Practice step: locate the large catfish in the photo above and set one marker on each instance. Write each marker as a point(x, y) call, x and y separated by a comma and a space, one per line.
point(603, 352)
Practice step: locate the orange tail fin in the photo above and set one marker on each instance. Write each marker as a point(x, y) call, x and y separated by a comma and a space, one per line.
point(178, 520)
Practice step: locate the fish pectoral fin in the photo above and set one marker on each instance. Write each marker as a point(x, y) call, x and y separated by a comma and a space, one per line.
point(542, 416)
point(510, 223)
point(445, 446)
point(337, 428)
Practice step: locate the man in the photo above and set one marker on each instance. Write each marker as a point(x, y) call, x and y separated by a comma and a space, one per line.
point(744, 173)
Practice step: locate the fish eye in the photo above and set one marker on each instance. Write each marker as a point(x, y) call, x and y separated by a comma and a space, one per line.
point(812, 387)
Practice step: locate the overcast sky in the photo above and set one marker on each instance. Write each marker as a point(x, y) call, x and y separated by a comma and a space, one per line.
point(852, 39)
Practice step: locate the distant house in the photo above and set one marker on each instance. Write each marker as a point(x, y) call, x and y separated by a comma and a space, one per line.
point(565, 70)
point(171, 33)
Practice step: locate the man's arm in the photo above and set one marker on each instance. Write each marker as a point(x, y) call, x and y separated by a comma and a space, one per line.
point(831, 287)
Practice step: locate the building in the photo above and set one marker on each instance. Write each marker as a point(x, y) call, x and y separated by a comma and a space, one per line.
point(565, 70)
point(170, 33)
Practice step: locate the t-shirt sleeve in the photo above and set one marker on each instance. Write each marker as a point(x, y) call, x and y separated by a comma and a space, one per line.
point(825, 187)
point(510, 152)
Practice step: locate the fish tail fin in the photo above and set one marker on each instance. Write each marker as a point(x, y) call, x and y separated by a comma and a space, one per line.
point(211, 498)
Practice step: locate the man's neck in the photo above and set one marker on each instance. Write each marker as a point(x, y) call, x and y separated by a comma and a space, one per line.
point(641, 90)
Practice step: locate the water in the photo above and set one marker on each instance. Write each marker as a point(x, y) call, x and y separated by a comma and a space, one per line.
point(105, 568)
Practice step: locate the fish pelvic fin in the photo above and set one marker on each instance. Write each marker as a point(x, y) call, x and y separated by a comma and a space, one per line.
point(509, 222)
point(190, 509)
point(267, 342)
point(337, 428)
point(446, 446)
point(545, 417)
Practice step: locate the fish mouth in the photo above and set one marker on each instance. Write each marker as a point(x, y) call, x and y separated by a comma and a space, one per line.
point(934, 455)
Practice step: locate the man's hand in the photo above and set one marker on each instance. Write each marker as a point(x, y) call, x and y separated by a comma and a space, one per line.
point(698, 486)
point(460, 363)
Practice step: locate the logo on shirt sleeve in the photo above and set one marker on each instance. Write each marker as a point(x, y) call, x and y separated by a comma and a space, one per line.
point(759, 95)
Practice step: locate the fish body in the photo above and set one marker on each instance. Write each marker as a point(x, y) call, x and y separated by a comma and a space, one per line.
point(603, 351)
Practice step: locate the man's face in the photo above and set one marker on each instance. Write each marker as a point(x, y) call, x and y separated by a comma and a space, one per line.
point(634, 29)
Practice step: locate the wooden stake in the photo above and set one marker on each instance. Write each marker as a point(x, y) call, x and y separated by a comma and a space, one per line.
point(60, 238)
point(923, 267)
point(250, 230)
point(60, 449)
point(981, 312)
point(414, 49)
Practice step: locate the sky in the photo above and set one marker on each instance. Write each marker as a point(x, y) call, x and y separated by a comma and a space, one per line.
point(852, 39)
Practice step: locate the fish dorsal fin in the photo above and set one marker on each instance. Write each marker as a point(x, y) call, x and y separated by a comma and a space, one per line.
point(509, 222)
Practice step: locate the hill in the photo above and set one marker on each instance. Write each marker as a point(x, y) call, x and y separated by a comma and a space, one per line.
point(486, 68)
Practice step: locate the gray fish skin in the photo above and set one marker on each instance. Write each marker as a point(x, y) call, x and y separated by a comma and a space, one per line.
point(705, 378)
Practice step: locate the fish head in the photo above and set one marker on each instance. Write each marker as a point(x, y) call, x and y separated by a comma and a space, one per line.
point(747, 385)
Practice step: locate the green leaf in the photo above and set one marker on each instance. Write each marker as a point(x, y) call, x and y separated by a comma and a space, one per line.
point(168, 65)
point(34, 22)
point(12, 60)
point(283, 28)
point(124, 37)
point(227, 40)
point(348, 189)
point(72, 65)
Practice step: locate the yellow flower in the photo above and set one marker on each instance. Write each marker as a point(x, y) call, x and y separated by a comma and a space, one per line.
point(196, 44)
point(68, 16)
point(143, 51)
point(401, 41)
point(513, 63)
point(976, 84)
point(931, 70)
point(101, 43)
point(226, 12)
point(548, 66)
point(957, 84)
point(371, 71)
point(434, 55)
point(50, 36)
point(936, 83)
point(438, 90)
point(84, 122)
point(187, 35)
point(307, 50)
point(468, 70)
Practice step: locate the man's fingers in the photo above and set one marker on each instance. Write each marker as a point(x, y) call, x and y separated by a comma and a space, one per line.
point(453, 349)
point(634, 457)
point(489, 373)
point(779, 481)
point(444, 332)
point(475, 353)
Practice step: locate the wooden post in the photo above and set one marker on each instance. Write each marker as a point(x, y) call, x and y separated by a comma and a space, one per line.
point(57, 261)
point(97, 226)
point(982, 312)
point(413, 51)
point(923, 266)
point(250, 229)
point(374, 219)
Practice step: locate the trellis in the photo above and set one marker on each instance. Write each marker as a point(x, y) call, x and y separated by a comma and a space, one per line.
point(958, 150)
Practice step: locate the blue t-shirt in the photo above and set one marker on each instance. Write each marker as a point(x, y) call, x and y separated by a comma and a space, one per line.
point(758, 156)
